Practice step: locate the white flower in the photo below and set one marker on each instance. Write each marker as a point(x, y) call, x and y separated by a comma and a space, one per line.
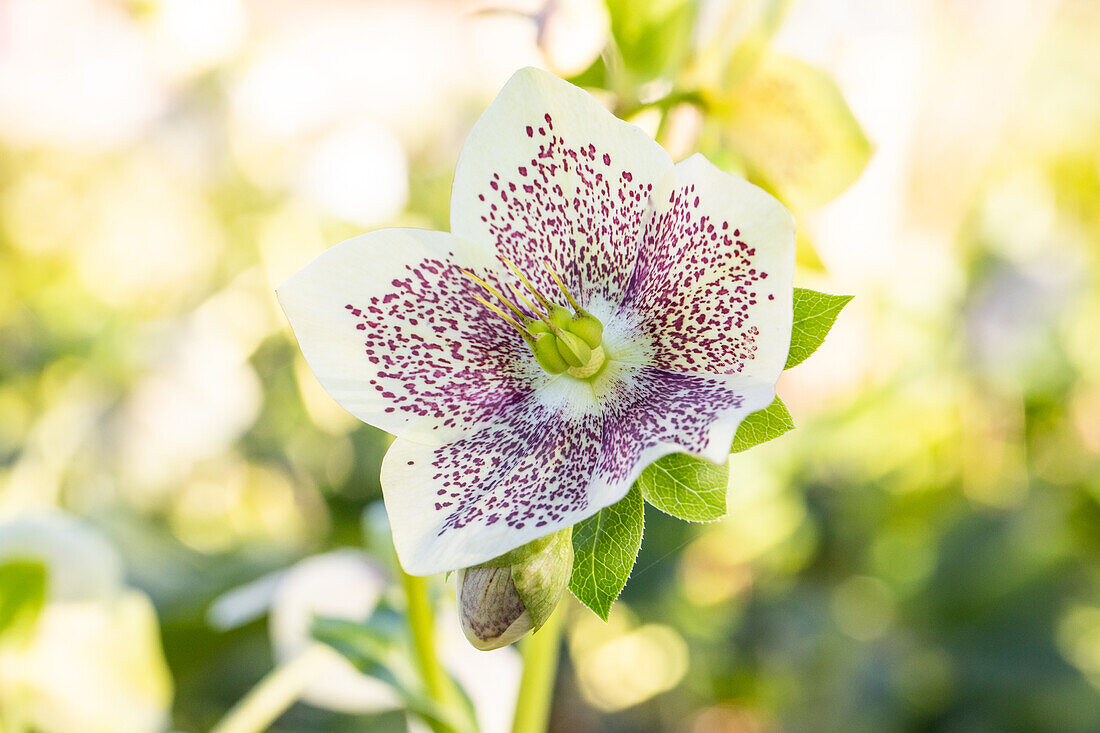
point(594, 308)
point(92, 661)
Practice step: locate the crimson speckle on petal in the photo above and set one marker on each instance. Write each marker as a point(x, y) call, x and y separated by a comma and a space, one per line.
point(687, 269)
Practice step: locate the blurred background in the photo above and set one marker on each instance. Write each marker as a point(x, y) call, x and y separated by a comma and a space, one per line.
point(178, 495)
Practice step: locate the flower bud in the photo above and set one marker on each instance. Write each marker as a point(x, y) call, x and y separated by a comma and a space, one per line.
point(491, 612)
point(503, 599)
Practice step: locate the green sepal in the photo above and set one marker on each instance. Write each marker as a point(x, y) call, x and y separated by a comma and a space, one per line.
point(518, 555)
point(541, 578)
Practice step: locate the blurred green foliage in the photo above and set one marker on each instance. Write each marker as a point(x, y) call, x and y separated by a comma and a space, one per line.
point(922, 553)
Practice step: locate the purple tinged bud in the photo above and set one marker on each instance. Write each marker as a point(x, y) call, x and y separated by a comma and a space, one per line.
point(502, 600)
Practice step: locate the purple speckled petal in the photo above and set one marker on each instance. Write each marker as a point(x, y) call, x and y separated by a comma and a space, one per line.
point(712, 289)
point(651, 412)
point(567, 451)
point(548, 174)
point(390, 327)
point(466, 502)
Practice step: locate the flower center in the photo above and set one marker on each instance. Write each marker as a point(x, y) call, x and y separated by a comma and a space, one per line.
point(563, 340)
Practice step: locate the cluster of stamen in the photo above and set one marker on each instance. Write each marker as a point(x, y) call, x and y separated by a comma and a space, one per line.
point(562, 340)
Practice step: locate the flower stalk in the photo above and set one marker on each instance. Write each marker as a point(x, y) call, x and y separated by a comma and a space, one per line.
point(274, 694)
point(437, 684)
point(540, 670)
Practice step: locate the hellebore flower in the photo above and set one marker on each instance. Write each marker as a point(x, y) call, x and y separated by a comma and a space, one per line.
point(594, 308)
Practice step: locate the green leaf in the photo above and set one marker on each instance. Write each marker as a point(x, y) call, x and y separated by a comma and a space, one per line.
point(792, 125)
point(371, 647)
point(814, 316)
point(762, 426)
point(22, 594)
point(605, 547)
point(594, 76)
point(767, 16)
point(687, 487)
point(654, 36)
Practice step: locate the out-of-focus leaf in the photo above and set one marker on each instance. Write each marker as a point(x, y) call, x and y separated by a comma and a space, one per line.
point(370, 648)
point(814, 316)
point(768, 15)
point(791, 123)
point(594, 76)
point(762, 426)
point(605, 547)
point(652, 36)
point(686, 487)
point(805, 254)
point(22, 593)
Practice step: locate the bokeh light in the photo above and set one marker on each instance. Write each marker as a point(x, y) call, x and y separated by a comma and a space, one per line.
point(921, 554)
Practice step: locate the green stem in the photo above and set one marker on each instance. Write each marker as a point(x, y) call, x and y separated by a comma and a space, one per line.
point(272, 695)
point(540, 669)
point(437, 685)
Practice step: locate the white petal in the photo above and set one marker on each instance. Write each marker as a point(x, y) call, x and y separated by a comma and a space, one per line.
point(80, 563)
point(390, 326)
point(548, 174)
point(713, 286)
point(571, 449)
point(91, 666)
point(523, 477)
point(653, 412)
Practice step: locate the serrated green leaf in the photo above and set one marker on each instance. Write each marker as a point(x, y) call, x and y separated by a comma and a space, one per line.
point(605, 547)
point(792, 125)
point(814, 316)
point(22, 593)
point(762, 426)
point(686, 487)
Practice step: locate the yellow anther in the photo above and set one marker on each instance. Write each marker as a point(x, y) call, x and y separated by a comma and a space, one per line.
point(534, 309)
point(564, 290)
point(539, 296)
point(494, 292)
point(514, 323)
